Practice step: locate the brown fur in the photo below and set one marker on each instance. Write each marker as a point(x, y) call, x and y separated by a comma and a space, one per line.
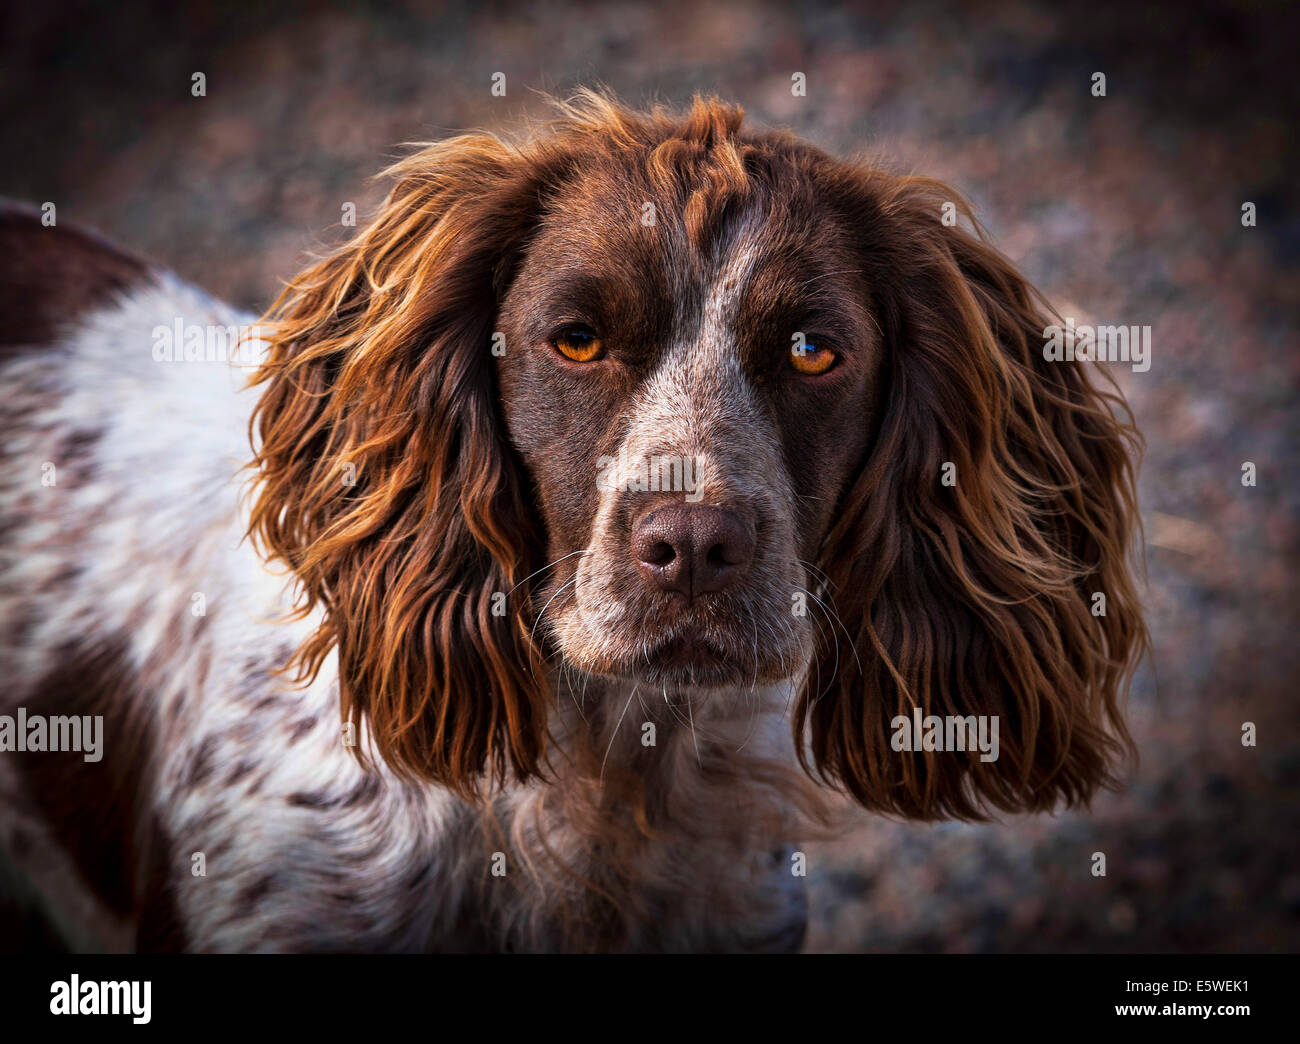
point(50, 275)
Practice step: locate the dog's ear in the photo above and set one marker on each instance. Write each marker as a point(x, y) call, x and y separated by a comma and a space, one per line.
point(385, 481)
point(996, 505)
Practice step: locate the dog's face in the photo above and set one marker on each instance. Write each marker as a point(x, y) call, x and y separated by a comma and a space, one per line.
point(690, 397)
point(658, 399)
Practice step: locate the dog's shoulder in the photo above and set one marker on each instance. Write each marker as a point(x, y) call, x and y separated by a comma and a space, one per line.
point(53, 273)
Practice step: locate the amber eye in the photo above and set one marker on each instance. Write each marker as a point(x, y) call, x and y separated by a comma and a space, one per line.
point(811, 360)
point(579, 344)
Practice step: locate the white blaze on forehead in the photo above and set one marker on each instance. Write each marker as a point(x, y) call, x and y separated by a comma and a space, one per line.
point(700, 384)
point(714, 343)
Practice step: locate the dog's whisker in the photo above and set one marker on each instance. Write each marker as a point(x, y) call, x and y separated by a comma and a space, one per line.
point(613, 735)
point(564, 586)
point(694, 737)
point(549, 565)
point(834, 617)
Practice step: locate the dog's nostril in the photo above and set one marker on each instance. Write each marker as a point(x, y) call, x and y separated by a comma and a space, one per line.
point(660, 554)
point(717, 555)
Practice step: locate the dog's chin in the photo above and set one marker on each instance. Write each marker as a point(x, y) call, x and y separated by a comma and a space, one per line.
point(692, 661)
point(688, 662)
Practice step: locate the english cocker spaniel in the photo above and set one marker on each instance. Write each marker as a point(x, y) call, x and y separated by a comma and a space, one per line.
point(614, 498)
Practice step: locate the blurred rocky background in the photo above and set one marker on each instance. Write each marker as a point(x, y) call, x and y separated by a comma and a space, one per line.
point(1123, 209)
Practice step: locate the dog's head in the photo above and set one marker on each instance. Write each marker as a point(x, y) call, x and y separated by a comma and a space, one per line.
point(667, 401)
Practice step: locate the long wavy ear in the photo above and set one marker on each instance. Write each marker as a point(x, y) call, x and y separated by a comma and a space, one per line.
point(385, 480)
point(975, 597)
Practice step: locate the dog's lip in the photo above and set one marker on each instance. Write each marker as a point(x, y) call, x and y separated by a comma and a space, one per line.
point(690, 660)
point(689, 651)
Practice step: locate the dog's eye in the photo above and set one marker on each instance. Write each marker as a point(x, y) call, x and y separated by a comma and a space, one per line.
point(811, 359)
point(579, 343)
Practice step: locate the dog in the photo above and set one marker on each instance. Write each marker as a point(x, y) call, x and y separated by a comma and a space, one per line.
point(592, 527)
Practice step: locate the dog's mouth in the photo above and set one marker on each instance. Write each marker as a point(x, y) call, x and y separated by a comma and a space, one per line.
point(692, 659)
point(721, 642)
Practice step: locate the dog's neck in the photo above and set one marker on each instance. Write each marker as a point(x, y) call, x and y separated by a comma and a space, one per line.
point(661, 800)
point(672, 739)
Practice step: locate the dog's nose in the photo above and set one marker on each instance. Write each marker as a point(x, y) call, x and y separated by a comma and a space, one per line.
point(692, 549)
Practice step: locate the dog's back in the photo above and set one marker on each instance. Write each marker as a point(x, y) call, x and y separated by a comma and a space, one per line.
point(127, 594)
point(114, 462)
